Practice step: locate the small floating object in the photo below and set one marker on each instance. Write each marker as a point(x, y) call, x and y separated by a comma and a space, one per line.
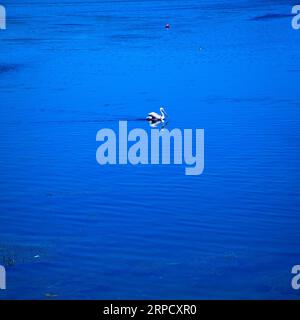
point(167, 26)
point(37, 256)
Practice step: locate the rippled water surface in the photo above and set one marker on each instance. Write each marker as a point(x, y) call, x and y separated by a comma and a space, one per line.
point(70, 228)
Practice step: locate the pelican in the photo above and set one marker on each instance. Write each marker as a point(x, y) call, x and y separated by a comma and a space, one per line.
point(155, 117)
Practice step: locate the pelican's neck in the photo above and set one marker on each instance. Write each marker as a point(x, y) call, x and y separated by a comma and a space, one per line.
point(163, 115)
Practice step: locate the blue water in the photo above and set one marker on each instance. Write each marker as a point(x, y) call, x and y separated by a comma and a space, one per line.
point(70, 228)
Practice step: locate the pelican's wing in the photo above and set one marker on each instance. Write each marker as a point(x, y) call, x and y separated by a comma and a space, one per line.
point(154, 115)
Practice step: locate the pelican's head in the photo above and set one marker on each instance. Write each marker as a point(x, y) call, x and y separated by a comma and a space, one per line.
point(162, 110)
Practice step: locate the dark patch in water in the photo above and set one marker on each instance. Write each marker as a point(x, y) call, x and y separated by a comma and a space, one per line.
point(24, 41)
point(271, 16)
point(13, 255)
point(16, 21)
point(7, 67)
point(129, 37)
point(72, 24)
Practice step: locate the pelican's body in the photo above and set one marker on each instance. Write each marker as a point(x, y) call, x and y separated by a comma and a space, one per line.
point(154, 117)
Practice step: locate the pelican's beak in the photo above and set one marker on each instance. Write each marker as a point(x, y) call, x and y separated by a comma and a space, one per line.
point(164, 111)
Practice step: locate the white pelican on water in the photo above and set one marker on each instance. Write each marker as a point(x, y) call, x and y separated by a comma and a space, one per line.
point(155, 117)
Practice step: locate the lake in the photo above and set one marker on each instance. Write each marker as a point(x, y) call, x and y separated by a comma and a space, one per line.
point(72, 229)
